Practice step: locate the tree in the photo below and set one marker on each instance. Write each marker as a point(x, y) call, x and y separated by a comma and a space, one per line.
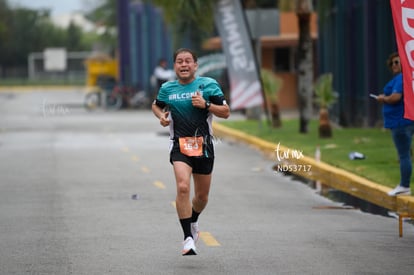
point(24, 30)
point(305, 64)
point(286, 5)
point(271, 86)
point(32, 31)
point(105, 16)
point(325, 97)
point(303, 10)
point(194, 19)
point(74, 37)
point(4, 29)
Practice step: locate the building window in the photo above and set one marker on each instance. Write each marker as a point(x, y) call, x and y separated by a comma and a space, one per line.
point(284, 59)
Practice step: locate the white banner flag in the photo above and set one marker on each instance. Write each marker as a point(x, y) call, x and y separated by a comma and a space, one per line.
point(245, 84)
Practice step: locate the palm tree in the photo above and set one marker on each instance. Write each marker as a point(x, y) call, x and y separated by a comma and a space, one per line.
point(194, 18)
point(271, 86)
point(305, 59)
point(286, 5)
point(305, 66)
point(325, 97)
point(104, 14)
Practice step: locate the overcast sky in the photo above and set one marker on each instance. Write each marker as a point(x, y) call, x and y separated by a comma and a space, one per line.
point(56, 6)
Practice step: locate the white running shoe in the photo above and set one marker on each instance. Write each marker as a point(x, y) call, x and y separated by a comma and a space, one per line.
point(400, 190)
point(189, 247)
point(195, 231)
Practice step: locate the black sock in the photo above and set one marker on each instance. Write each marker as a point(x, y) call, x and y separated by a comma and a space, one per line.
point(186, 225)
point(194, 216)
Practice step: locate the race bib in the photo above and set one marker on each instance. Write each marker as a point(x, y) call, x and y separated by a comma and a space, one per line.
point(191, 146)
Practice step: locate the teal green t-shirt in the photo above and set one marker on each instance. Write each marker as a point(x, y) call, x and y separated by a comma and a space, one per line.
point(188, 120)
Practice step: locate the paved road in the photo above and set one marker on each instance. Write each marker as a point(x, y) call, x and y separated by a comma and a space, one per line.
point(92, 193)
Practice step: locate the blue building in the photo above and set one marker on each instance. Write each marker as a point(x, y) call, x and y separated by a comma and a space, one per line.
point(355, 39)
point(143, 39)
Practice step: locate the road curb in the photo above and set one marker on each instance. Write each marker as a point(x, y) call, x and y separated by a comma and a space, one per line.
point(327, 174)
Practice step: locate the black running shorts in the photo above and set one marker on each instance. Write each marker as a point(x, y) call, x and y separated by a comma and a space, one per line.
point(201, 165)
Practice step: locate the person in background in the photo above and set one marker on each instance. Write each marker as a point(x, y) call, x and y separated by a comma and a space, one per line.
point(187, 106)
point(162, 73)
point(402, 129)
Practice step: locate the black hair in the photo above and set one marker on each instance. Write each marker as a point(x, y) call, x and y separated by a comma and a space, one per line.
point(182, 50)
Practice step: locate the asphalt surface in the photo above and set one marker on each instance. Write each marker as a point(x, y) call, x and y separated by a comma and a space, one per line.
point(92, 193)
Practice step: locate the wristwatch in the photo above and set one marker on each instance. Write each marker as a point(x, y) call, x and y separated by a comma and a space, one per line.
point(208, 104)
